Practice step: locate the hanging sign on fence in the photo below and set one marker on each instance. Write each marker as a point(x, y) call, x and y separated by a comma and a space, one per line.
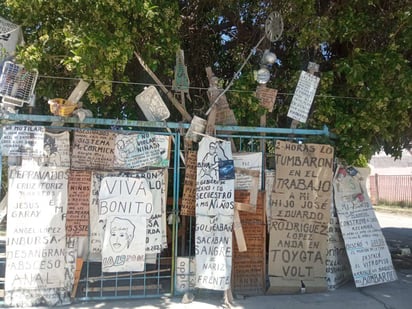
point(77, 219)
point(365, 244)
point(124, 197)
point(214, 184)
point(56, 150)
point(189, 187)
point(36, 242)
point(135, 151)
point(93, 150)
point(213, 248)
point(20, 140)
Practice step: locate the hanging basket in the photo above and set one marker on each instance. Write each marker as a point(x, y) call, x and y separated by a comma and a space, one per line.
point(62, 107)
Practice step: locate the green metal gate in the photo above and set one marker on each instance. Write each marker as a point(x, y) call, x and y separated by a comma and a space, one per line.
point(157, 279)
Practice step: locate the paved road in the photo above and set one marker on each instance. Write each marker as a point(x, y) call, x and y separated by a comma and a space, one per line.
point(392, 295)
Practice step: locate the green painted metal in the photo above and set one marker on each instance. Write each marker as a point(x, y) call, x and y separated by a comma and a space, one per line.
point(244, 135)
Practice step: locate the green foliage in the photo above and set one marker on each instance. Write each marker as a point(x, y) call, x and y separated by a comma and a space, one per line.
point(94, 40)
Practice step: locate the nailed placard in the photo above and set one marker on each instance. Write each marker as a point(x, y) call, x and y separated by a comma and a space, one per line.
point(189, 186)
point(303, 97)
point(152, 105)
point(93, 150)
point(20, 140)
point(77, 219)
point(266, 96)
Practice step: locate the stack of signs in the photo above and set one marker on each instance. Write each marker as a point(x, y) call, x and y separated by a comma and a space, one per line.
point(214, 214)
point(365, 244)
point(300, 211)
point(338, 270)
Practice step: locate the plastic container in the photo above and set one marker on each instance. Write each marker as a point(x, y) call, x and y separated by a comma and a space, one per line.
point(62, 107)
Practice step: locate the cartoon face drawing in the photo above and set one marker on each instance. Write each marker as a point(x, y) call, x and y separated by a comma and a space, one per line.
point(121, 234)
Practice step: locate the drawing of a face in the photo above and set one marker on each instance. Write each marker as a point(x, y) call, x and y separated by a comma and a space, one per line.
point(126, 146)
point(121, 234)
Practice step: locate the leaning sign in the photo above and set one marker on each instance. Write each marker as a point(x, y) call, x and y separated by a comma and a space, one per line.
point(300, 211)
point(365, 244)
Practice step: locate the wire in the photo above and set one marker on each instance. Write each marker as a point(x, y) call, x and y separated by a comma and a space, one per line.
point(190, 87)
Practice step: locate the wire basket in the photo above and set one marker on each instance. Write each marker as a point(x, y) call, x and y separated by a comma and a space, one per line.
point(62, 107)
point(17, 84)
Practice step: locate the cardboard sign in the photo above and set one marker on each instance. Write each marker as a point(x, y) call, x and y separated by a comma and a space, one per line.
point(213, 248)
point(124, 198)
point(36, 253)
point(22, 140)
point(213, 196)
point(300, 211)
point(189, 186)
point(93, 150)
point(303, 97)
point(365, 244)
point(266, 96)
point(77, 219)
point(338, 270)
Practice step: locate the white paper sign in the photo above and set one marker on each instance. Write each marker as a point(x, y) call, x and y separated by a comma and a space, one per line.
point(213, 249)
point(56, 150)
point(134, 151)
point(247, 160)
point(365, 244)
point(36, 235)
point(214, 195)
point(20, 140)
point(303, 97)
point(185, 274)
point(124, 244)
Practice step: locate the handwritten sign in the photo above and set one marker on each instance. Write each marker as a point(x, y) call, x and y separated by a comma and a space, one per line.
point(300, 211)
point(36, 252)
point(266, 96)
point(365, 244)
point(213, 248)
point(123, 245)
point(185, 274)
point(56, 150)
point(338, 269)
point(20, 140)
point(247, 160)
point(303, 97)
point(213, 195)
point(124, 197)
point(93, 150)
point(152, 105)
point(189, 186)
point(135, 151)
point(77, 219)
